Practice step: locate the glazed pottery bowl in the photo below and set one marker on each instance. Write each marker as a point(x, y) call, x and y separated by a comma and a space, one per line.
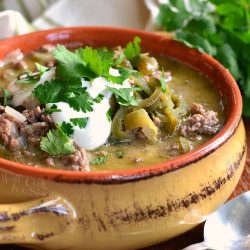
point(130, 209)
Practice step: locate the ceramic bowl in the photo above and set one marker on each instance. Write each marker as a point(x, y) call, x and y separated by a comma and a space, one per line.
point(130, 209)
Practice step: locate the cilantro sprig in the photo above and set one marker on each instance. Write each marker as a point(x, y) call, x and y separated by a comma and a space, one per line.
point(41, 68)
point(28, 78)
point(57, 142)
point(99, 160)
point(133, 51)
point(163, 81)
point(32, 77)
point(125, 96)
point(84, 62)
point(80, 122)
point(66, 128)
point(5, 96)
point(51, 110)
point(219, 28)
point(66, 86)
point(54, 91)
point(49, 92)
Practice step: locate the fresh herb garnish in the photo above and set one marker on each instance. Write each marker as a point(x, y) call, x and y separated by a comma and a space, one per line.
point(109, 115)
point(67, 128)
point(82, 102)
point(51, 110)
point(99, 98)
point(28, 78)
point(133, 51)
point(119, 154)
point(41, 69)
point(80, 122)
point(32, 77)
point(6, 95)
point(99, 160)
point(70, 67)
point(54, 91)
point(49, 92)
point(124, 74)
point(83, 62)
point(219, 28)
point(163, 81)
point(97, 61)
point(56, 142)
point(124, 96)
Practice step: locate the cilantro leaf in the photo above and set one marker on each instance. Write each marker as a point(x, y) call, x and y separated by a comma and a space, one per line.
point(84, 62)
point(6, 95)
point(91, 60)
point(119, 154)
point(169, 18)
point(56, 142)
point(70, 67)
point(106, 59)
point(202, 25)
point(246, 87)
point(99, 160)
point(54, 91)
point(81, 102)
point(80, 122)
point(226, 55)
point(176, 14)
point(71, 91)
point(124, 96)
point(109, 115)
point(246, 109)
point(66, 128)
point(49, 92)
point(97, 62)
point(163, 81)
point(124, 74)
point(99, 98)
point(196, 41)
point(210, 26)
point(51, 110)
point(41, 69)
point(133, 51)
point(28, 78)
point(31, 78)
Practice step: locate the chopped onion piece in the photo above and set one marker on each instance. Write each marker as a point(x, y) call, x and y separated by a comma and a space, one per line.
point(17, 115)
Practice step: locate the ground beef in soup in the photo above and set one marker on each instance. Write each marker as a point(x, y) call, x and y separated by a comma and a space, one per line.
point(10, 132)
point(19, 136)
point(170, 120)
point(200, 121)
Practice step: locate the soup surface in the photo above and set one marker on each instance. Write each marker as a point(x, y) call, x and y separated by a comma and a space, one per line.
point(62, 109)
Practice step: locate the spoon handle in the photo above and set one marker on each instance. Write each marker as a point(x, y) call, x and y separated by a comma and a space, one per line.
point(198, 246)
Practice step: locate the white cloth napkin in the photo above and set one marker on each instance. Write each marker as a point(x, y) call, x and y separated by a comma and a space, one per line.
point(138, 14)
point(13, 23)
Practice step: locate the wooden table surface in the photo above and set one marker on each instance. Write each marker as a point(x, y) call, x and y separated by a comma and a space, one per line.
point(196, 234)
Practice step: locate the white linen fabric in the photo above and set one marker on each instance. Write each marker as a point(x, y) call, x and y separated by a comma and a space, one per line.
point(23, 16)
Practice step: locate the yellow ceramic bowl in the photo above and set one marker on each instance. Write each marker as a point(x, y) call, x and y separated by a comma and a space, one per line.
point(56, 209)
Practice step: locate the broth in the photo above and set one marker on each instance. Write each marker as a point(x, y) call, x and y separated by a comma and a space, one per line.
point(118, 154)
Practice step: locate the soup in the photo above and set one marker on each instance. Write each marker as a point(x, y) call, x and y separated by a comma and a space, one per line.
point(100, 109)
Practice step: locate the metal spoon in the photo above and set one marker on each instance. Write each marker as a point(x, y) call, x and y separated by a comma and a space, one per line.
point(228, 228)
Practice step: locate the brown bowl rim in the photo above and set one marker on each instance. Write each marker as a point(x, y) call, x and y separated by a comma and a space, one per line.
point(131, 175)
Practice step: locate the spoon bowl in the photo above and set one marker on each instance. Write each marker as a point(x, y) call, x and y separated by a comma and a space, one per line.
point(228, 227)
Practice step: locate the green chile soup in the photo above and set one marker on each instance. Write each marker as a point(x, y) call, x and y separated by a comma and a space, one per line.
point(100, 109)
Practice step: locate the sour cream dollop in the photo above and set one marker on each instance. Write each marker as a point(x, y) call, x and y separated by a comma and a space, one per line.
point(98, 127)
